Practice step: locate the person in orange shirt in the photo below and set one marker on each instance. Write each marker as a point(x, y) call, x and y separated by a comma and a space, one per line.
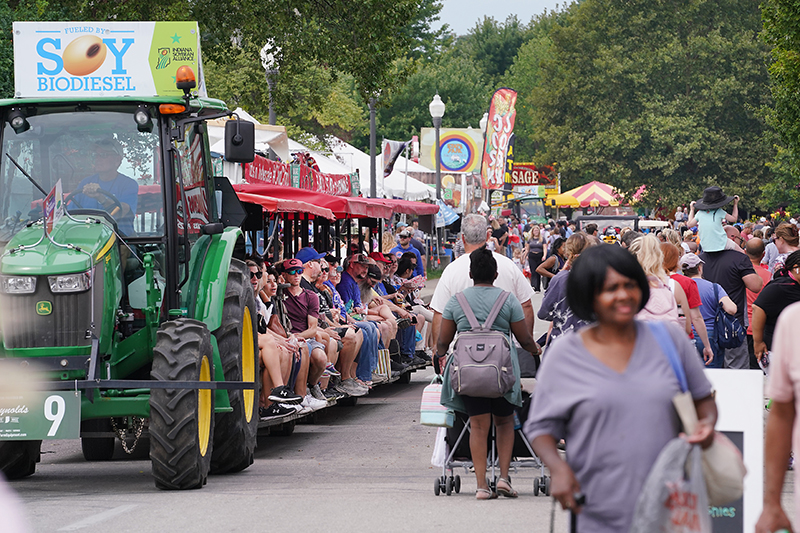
point(754, 248)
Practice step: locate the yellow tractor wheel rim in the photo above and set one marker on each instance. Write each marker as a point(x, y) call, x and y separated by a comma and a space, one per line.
point(204, 408)
point(248, 364)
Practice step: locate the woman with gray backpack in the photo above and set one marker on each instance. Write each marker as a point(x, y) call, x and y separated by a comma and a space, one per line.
point(482, 374)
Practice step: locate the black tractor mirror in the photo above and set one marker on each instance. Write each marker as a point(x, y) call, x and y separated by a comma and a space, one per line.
point(240, 141)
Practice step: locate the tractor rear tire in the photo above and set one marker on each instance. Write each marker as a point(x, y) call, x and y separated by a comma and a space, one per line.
point(235, 433)
point(182, 420)
point(18, 458)
point(97, 448)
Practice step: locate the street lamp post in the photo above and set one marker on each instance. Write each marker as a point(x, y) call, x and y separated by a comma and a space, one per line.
point(436, 108)
point(270, 64)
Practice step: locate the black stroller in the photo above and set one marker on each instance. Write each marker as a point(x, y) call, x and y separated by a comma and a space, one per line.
point(459, 456)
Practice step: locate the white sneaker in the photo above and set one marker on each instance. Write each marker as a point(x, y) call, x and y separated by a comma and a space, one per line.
point(313, 403)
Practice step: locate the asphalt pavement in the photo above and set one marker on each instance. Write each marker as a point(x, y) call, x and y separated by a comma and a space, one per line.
point(362, 468)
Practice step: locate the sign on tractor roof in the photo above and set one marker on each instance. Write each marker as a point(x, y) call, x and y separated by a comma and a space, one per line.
point(101, 59)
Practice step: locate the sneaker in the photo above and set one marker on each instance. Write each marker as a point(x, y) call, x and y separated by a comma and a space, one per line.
point(284, 394)
point(332, 370)
point(352, 388)
point(316, 392)
point(275, 410)
point(418, 361)
point(403, 323)
point(332, 394)
point(295, 406)
point(397, 367)
point(312, 403)
point(378, 378)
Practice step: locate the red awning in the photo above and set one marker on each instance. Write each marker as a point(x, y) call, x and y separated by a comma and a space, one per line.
point(410, 208)
point(341, 206)
point(281, 205)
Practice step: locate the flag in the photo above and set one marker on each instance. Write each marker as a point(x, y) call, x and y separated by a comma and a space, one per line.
point(499, 128)
point(446, 215)
point(391, 151)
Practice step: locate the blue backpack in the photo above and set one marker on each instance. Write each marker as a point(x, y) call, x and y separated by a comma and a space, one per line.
point(727, 329)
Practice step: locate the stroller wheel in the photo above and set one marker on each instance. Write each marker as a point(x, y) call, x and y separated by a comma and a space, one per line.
point(437, 487)
point(536, 486)
point(449, 486)
point(547, 485)
point(457, 484)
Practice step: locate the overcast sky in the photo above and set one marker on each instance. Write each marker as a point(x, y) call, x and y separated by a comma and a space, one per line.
point(462, 15)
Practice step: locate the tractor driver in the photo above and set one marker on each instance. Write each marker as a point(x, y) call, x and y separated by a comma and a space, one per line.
point(107, 159)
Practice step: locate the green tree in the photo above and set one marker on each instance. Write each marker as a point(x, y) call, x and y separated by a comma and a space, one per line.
point(782, 33)
point(493, 45)
point(525, 77)
point(404, 111)
point(658, 94)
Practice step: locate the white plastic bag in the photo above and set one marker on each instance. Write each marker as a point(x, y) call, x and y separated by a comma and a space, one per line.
point(671, 501)
point(439, 448)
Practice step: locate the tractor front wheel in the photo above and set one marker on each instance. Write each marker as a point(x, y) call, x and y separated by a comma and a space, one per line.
point(182, 420)
point(235, 432)
point(18, 458)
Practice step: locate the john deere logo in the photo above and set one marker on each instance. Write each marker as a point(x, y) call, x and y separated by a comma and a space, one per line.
point(44, 308)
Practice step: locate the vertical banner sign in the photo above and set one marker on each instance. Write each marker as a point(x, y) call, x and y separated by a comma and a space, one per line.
point(508, 184)
point(391, 151)
point(499, 128)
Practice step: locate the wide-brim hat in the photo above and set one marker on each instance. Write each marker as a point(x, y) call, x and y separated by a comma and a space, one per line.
point(713, 198)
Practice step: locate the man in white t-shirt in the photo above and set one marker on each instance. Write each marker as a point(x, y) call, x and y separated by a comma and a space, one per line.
point(475, 231)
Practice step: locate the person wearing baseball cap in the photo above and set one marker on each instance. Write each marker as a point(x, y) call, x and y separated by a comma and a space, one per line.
point(692, 267)
point(107, 189)
point(309, 254)
point(405, 246)
point(302, 308)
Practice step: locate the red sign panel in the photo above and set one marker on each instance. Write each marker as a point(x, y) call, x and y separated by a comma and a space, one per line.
point(262, 170)
point(529, 174)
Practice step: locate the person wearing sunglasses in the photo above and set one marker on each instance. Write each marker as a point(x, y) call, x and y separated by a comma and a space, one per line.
point(302, 307)
point(340, 342)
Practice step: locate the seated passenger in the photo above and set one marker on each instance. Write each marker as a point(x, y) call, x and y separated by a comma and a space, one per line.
point(275, 351)
point(302, 306)
point(108, 156)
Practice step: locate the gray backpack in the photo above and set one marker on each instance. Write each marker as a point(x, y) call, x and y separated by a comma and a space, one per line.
point(481, 365)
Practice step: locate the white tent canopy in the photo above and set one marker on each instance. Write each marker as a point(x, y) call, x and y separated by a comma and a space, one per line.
point(266, 136)
point(394, 185)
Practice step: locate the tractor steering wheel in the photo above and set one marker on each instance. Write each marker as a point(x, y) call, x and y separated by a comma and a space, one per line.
point(117, 208)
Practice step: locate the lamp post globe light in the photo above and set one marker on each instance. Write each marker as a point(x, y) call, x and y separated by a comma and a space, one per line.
point(436, 108)
point(270, 63)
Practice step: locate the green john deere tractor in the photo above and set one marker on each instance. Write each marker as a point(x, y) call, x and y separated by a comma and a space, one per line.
point(126, 296)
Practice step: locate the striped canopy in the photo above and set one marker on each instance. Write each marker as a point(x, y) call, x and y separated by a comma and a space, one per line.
point(593, 194)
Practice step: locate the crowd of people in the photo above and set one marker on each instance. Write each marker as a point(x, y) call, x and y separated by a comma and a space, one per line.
point(611, 306)
point(330, 328)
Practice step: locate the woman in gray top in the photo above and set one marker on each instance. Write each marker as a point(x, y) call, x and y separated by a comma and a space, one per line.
point(481, 298)
point(607, 390)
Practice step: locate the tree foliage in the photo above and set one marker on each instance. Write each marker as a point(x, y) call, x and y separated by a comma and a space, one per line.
point(660, 94)
point(782, 34)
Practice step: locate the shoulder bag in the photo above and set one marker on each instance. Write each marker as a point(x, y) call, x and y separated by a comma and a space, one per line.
point(723, 466)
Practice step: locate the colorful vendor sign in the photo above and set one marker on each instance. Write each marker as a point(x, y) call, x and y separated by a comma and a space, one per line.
point(500, 126)
point(530, 174)
point(104, 58)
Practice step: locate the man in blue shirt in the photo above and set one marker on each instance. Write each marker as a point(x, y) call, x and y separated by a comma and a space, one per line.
point(405, 246)
point(356, 267)
point(108, 156)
